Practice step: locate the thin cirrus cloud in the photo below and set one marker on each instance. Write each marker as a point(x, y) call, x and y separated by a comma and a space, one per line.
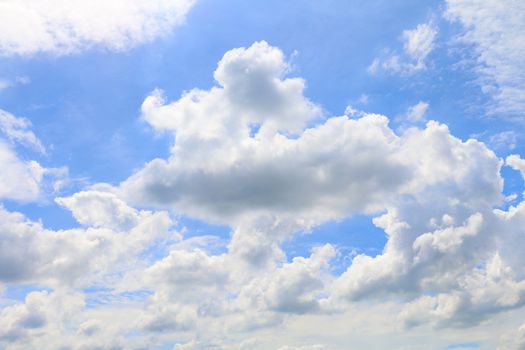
point(64, 27)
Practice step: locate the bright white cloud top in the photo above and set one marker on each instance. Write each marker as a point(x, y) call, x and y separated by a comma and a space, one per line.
point(256, 155)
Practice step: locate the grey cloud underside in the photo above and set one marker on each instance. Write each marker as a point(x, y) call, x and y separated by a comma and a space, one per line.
point(300, 179)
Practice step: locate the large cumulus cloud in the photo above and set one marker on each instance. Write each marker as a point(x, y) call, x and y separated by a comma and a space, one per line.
point(254, 153)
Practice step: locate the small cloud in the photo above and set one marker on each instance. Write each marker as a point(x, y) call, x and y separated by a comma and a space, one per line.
point(505, 140)
point(417, 112)
point(352, 112)
point(419, 42)
point(18, 130)
point(364, 99)
point(417, 45)
point(6, 83)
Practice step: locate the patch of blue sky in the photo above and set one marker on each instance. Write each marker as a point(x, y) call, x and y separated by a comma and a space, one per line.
point(17, 292)
point(96, 297)
point(351, 236)
point(52, 217)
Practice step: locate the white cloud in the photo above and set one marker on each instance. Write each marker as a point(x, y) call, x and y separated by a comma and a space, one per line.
point(32, 180)
point(516, 163)
point(515, 341)
point(100, 209)
point(254, 153)
point(65, 27)
point(417, 112)
point(304, 347)
point(292, 288)
point(17, 129)
point(41, 312)
point(417, 45)
point(419, 42)
point(506, 140)
point(7, 83)
point(28, 175)
point(495, 29)
point(78, 256)
point(439, 192)
point(220, 171)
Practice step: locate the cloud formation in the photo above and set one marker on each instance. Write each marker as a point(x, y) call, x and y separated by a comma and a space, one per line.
point(65, 27)
point(418, 43)
point(495, 31)
point(254, 153)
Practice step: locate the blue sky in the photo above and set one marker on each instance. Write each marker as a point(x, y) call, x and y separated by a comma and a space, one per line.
point(382, 174)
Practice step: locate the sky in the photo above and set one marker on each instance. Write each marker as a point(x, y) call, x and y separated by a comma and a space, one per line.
point(267, 175)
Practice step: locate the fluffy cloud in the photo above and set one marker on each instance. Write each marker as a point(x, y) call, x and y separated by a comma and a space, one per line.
point(495, 30)
point(41, 312)
point(232, 163)
point(31, 253)
point(417, 44)
point(439, 192)
point(459, 259)
point(64, 27)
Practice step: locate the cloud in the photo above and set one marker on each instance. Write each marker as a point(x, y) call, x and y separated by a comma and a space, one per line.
point(252, 152)
point(98, 209)
point(417, 112)
point(506, 140)
point(41, 312)
point(28, 175)
point(304, 347)
point(495, 30)
point(514, 342)
point(65, 27)
point(32, 179)
point(418, 43)
point(220, 170)
point(516, 163)
point(292, 288)
point(439, 193)
point(459, 261)
point(17, 129)
point(75, 257)
point(6, 83)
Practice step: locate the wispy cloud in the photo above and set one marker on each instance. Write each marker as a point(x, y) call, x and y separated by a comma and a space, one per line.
point(495, 30)
point(418, 43)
